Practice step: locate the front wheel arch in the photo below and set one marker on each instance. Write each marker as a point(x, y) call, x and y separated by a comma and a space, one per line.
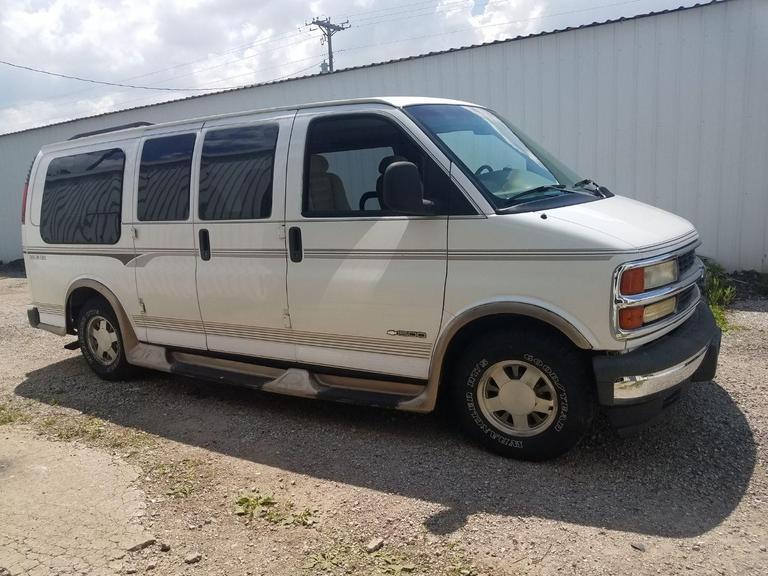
point(493, 323)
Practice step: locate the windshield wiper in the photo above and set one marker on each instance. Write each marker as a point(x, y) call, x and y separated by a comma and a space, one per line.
point(586, 182)
point(593, 187)
point(535, 190)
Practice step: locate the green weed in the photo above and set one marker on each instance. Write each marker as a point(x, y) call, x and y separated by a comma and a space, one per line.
point(269, 509)
point(718, 290)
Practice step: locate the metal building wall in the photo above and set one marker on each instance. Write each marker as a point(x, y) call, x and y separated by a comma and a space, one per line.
point(669, 109)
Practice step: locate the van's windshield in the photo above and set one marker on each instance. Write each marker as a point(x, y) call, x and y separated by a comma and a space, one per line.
point(508, 167)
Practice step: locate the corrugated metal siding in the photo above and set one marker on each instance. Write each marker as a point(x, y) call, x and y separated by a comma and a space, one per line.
point(669, 109)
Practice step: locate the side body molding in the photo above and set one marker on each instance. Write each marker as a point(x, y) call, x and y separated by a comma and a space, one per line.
point(425, 402)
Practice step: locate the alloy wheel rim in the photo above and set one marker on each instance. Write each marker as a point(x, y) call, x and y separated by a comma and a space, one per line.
point(101, 338)
point(517, 398)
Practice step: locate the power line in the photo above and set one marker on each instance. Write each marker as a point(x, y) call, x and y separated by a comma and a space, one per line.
point(396, 7)
point(105, 83)
point(151, 101)
point(215, 55)
point(482, 26)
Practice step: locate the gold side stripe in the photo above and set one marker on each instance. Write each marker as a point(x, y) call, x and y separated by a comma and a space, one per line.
point(249, 254)
point(353, 343)
point(374, 257)
point(397, 351)
point(170, 325)
point(330, 344)
point(317, 335)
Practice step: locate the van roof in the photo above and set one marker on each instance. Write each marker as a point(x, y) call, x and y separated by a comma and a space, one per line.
point(134, 131)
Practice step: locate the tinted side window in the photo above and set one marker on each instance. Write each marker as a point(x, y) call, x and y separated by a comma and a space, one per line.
point(236, 173)
point(346, 158)
point(166, 167)
point(82, 198)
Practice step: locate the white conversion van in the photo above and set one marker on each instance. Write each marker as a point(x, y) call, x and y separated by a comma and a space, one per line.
point(387, 251)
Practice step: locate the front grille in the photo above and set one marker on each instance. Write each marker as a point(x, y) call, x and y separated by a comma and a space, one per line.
point(685, 261)
point(685, 299)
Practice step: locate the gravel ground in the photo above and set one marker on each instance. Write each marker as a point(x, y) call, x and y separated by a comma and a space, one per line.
point(688, 495)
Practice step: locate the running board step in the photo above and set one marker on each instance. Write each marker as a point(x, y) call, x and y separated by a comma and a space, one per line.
point(217, 375)
point(294, 381)
point(72, 345)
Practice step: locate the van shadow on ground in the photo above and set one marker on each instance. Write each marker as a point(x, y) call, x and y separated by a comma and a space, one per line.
point(680, 478)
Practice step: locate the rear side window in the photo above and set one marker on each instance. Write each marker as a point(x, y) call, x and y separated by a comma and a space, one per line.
point(164, 175)
point(82, 198)
point(236, 173)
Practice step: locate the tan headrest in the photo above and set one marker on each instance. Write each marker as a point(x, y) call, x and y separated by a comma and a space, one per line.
point(318, 164)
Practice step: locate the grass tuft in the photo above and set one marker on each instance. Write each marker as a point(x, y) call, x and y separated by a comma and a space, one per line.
point(182, 477)
point(9, 415)
point(719, 291)
point(93, 430)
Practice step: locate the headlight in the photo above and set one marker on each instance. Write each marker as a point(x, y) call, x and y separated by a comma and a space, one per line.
point(641, 279)
point(658, 310)
point(637, 316)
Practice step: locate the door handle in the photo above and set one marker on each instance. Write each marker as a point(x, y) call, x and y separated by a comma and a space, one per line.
point(294, 244)
point(205, 244)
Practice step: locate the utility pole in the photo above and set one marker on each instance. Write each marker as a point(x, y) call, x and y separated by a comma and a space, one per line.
point(328, 29)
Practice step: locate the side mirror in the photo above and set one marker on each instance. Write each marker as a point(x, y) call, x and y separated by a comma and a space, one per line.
point(403, 192)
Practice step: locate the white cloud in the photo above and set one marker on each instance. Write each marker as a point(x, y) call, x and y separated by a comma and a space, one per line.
point(222, 43)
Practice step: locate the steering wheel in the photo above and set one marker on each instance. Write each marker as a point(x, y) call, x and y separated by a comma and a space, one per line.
point(483, 168)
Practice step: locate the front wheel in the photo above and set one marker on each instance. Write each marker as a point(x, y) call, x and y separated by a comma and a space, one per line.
point(526, 394)
point(101, 342)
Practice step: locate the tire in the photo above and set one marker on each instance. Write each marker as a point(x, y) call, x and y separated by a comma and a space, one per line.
point(101, 341)
point(549, 386)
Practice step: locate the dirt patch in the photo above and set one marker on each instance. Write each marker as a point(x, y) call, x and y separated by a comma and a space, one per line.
point(688, 495)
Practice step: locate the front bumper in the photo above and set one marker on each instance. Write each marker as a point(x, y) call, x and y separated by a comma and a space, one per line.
point(638, 385)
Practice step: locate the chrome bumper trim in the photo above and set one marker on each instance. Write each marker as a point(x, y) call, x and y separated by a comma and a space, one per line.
point(631, 388)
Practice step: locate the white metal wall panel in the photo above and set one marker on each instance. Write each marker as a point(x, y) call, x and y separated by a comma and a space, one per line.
point(669, 109)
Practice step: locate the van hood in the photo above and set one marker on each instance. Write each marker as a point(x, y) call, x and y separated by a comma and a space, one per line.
point(639, 225)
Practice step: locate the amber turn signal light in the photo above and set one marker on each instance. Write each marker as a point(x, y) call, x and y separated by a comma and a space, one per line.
point(631, 318)
point(633, 281)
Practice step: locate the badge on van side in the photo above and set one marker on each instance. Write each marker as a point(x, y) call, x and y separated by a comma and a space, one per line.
point(407, 333)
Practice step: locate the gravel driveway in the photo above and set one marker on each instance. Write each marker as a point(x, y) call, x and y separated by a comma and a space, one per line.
point(317, 483)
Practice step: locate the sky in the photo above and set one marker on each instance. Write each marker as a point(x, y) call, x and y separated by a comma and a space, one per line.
point(209, 45)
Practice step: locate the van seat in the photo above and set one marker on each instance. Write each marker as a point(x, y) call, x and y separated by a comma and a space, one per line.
point(326, 190)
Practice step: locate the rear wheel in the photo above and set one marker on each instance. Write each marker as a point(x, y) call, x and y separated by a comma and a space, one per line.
point(527, 394)
point(101, 342)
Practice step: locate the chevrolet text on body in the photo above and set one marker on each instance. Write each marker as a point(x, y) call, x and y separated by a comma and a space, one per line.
point(386, 251)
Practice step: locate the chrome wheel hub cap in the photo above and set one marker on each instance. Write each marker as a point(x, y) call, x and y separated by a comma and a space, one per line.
point(101, 338)
point(517, 398)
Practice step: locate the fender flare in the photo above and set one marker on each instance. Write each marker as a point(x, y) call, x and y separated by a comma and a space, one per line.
point(126, 329)
point(426, 401)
